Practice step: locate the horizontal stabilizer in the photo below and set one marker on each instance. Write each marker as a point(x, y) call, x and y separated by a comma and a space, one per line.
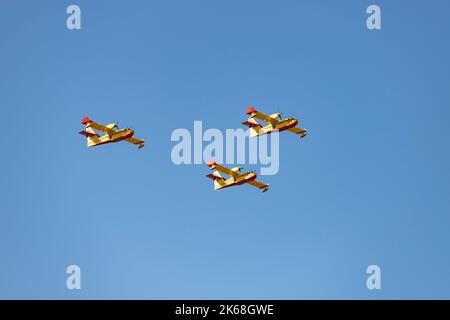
point(251, 124)
point(88, 134)
point(214, 177)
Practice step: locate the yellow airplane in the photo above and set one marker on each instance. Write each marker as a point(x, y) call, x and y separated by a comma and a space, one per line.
point(236, 177)
point(110, 136)
point(274, 123)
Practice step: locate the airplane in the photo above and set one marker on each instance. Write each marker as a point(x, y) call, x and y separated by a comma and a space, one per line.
point(236, 178)
point(110, 136)
point(274, 123)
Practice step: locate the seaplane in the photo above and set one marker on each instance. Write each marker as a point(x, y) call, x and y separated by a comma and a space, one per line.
point(274, 123)
point(236, 177)
point(111, 132)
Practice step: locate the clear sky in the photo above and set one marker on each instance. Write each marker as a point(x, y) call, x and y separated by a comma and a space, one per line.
point(368, 185)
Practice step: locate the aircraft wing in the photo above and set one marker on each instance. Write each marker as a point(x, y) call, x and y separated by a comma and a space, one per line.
point(100, 127)
point(139, 143)
point(299, 131)
point(264, 187)
point(261, 116)
point(218, 167)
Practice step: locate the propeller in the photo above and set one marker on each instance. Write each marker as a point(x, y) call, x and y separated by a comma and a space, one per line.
point(115, 125)
point(280, 114)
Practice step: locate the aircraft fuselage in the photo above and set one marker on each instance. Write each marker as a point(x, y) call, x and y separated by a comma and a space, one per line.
point(236, 181)
point(118, 136)
point(283, 125)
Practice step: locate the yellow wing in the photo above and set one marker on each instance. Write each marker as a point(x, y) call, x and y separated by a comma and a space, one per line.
point(218, 167)
point(264, 187)
point(138, 142)
point(261, 116)
point(100, 127)
point(300, 131)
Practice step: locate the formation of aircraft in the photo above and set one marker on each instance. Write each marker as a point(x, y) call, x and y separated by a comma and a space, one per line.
point(235, 177)
point(110, 134)
point(274, 122)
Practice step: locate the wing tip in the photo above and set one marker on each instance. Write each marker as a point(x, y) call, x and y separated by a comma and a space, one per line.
point(304, 133)
point(86, 120)
point(250, 110)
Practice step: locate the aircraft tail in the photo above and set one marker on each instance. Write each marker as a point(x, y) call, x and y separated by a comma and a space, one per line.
point(255, 127)
point(93, 141)
point(215, 175)
point(92, 137)
point(219, 181)
point(89, 133)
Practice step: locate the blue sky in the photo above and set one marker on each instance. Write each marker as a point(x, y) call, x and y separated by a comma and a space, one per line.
point(368, 185)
